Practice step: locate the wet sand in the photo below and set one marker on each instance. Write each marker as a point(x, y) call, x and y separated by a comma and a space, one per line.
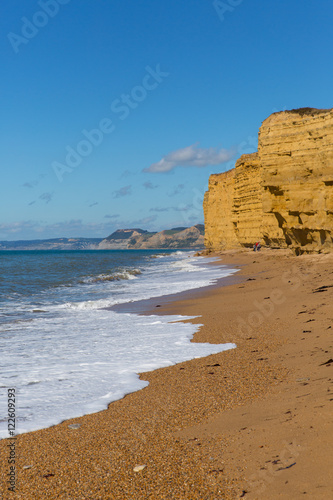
point(254, 422)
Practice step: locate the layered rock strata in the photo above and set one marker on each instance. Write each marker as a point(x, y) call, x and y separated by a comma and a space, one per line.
point(281, 195)
point(218, 205)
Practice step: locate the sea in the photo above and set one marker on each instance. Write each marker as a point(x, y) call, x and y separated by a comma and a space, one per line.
point(63, 348)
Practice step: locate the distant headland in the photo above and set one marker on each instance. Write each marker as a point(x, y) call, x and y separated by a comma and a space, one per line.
point(122, 239)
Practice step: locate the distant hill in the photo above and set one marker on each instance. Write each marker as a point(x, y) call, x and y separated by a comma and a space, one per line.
point(125, 234)
point(178, 237)
point(52, 244)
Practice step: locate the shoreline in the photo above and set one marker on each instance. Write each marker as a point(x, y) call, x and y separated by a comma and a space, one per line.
point(147, 306)
point(240, 423)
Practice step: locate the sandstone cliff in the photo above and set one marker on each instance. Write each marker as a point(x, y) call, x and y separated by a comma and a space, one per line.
point(281, 195)
point(218, 206)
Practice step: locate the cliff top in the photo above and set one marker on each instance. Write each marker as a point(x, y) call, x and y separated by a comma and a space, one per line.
point(123, 234)
point(301, 112)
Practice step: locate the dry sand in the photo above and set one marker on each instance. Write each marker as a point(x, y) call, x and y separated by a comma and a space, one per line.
point(254, 422)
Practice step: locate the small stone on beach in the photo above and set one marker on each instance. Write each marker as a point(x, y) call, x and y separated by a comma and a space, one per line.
point(139, 468)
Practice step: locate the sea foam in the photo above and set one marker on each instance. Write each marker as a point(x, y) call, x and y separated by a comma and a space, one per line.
point(77, 357)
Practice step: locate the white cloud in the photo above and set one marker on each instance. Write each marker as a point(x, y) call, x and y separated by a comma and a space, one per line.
point(191, 156)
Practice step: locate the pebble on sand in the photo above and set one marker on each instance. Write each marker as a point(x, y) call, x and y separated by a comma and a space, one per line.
point(139, 468)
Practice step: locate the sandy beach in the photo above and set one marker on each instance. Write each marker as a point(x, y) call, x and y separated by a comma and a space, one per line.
point(253, 422)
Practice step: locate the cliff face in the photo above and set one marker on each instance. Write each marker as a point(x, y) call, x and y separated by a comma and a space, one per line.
point(218, 203)
point(247, 203)
point(296, 152)
point(233, 206)
point(281, 195)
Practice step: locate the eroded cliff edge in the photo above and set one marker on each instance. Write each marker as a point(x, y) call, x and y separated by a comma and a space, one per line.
point(281, 195)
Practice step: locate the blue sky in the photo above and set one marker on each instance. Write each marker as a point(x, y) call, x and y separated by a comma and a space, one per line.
point(114, 113)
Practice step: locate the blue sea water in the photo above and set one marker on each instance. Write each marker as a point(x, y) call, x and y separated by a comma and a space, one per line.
point(62, 348)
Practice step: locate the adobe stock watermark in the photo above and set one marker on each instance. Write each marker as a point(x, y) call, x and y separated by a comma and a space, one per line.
point(285, 460)
point(265, 308)
point(121, 108)
point(193, 212)
point(225, 6)
point(30, 27)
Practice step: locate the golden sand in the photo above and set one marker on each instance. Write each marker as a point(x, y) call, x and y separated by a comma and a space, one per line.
point(254, 422)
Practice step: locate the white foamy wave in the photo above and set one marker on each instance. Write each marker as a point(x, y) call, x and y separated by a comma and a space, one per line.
point(186, 266)
point(87, 305)
point(185, 273)
point(69, 368)
point(73, 356)
point(127, 274)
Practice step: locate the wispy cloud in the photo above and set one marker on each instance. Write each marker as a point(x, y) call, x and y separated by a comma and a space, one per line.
point(16, 227)
point(93, 204)
point(178, 189)
point(126, 173)
point(179, 208)
point(143, 221)
point(28, 230)
point(191, 156)
point(195, 220)
point(124, 191)
point(30, 184)
point(35, 182)
point(157, 209)
point(150, 185)
point(47, 197)
point(183, 208)
point(115, 216)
